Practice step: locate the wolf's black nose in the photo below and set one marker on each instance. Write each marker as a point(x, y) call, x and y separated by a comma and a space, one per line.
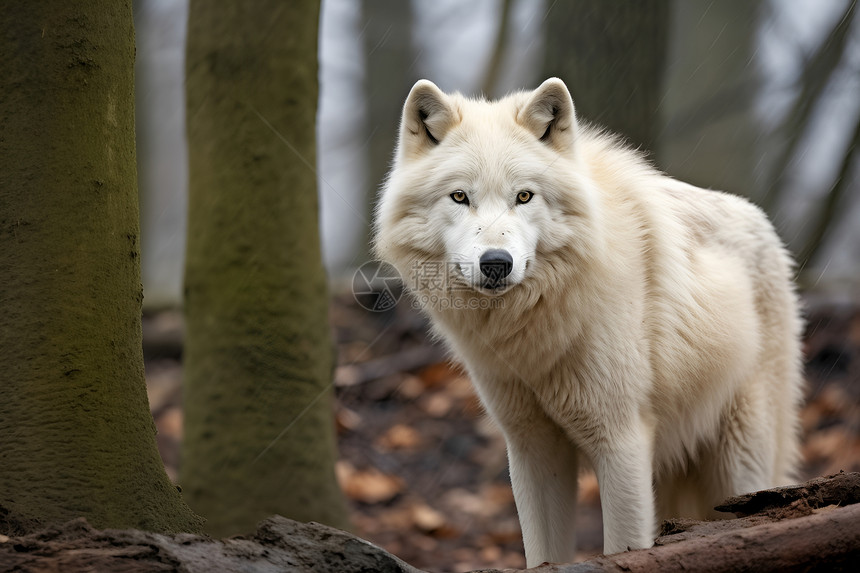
point(496, 264)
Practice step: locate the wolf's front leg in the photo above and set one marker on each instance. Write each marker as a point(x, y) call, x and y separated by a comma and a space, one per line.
point(623, 469)
point(544, 468)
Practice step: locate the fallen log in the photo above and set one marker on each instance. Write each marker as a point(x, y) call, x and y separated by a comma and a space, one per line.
point(811, 527)
point(827, 540)
point(842, 488)
point(769, 505)
point(279, 544)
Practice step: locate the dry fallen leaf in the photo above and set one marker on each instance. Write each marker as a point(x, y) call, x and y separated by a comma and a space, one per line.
point(396, 518)
point(426, 518)
point(169, 423)
point(464, 501)
point(440, 374)
point(411, 387)
point(491, 554)
point(461, 387)
point(437, 405)
point(399, 437)
point(589, 491)
point(346, 419)
point(367, 486)
point(345, 376)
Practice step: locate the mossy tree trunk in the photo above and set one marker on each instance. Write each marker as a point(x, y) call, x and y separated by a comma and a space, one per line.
point(259, 432)
point(76, 436)
point(611, 55)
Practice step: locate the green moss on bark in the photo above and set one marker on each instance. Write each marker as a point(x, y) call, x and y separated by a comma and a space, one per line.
point(259, 435)
point(76, 436)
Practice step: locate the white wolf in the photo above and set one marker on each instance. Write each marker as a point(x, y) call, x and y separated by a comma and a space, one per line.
point(645, 325)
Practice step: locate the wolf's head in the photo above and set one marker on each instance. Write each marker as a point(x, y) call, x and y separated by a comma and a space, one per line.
point(482, 194)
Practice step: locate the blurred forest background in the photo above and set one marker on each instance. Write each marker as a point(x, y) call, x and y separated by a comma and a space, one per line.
point(757, 98)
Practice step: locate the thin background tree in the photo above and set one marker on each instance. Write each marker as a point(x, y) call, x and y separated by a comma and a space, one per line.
point(259, 429)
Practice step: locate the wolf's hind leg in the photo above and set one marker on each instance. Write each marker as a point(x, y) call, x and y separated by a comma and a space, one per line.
point(744, 457)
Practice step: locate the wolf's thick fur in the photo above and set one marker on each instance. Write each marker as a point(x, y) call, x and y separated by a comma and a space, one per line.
point(646, 325)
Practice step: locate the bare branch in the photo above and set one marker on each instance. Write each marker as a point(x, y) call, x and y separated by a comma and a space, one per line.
point(816, 76)
point(828, 213)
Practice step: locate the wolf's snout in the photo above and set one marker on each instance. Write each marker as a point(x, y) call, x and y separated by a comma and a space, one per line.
point(496, 264)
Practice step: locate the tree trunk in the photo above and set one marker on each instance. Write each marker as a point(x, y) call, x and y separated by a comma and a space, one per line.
point(497, 55)
point(611, 55)
point(259, 431)
point(389, 66)
point(712, 133)
point(76, 436)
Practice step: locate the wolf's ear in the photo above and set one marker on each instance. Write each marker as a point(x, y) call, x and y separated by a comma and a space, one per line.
point(428, 115)
point(548, 113)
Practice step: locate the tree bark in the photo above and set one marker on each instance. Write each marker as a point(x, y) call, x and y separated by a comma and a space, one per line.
point(611, 55)
point(76, 436)
point(259, 430)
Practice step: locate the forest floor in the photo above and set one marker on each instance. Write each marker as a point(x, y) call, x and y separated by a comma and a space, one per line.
point(424, 469)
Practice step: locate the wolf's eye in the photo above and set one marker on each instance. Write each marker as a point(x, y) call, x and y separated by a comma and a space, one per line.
point(524, 197)
point(460, 197)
